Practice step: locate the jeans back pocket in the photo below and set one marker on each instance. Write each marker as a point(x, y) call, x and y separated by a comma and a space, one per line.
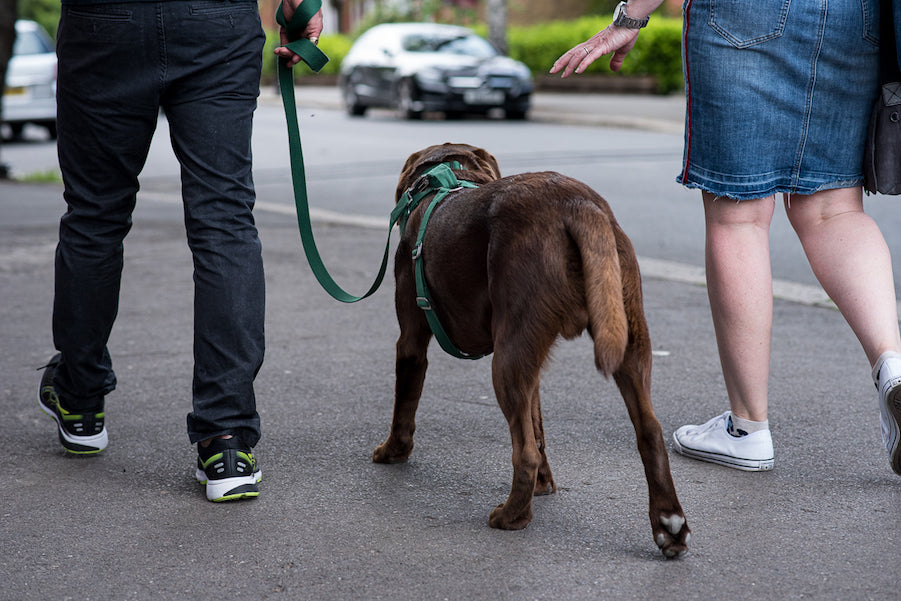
point(99, 22)
point(745, 24)
point(871, 18)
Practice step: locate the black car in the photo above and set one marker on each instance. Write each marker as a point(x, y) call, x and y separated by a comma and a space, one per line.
point(422, 67)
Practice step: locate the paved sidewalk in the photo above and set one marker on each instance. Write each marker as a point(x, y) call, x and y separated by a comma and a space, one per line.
point(131, 524)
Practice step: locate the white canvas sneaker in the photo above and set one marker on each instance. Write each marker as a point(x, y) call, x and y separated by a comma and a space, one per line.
point(712, 442)
point(887, 376)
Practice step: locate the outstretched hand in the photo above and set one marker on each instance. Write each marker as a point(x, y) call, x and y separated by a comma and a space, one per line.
point(312, 31)
point(618, 40)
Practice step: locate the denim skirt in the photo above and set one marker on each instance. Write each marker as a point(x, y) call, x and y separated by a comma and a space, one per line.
point(778, 94)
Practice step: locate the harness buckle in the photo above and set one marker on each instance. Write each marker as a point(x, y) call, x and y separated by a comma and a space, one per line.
point(417, 251)
point(423, 303)
point(422, 184)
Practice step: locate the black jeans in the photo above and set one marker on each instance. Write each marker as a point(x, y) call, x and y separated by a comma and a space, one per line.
point(119, 64)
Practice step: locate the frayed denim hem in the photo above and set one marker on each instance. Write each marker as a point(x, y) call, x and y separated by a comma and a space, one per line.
point(720, 190)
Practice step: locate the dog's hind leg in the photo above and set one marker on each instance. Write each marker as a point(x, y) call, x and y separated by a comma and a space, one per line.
point(516, 379)
point(633, 377)
point(671, 532)
point(544, 483)
point(410, 367)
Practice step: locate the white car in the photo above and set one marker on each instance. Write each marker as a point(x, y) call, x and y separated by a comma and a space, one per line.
point(421, 67)
point(30, 92)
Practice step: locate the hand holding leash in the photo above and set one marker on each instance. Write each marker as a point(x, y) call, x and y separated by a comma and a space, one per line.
point(300, 25)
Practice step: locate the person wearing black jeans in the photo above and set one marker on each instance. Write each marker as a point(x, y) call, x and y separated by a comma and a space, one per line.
point(120, 63)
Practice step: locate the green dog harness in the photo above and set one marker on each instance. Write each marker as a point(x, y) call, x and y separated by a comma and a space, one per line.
point(438, 182)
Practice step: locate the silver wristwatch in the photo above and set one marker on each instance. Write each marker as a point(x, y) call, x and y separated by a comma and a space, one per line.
point(621, 19)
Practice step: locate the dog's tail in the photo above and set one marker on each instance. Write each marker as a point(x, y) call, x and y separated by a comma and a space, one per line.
point(593, 232)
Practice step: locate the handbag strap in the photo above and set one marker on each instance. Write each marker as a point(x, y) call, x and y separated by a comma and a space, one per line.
point(889, 70)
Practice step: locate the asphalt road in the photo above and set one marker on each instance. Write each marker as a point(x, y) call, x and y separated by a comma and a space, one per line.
point(330, 525)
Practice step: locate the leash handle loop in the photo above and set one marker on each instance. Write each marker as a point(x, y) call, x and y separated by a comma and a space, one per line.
point(302, 47)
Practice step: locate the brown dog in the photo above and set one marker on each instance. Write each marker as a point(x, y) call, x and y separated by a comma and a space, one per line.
point(512, 265)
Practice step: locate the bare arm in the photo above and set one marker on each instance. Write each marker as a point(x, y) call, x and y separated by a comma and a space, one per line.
point(618, 40)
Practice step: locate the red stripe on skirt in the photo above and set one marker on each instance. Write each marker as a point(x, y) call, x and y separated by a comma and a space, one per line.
point(686, 13)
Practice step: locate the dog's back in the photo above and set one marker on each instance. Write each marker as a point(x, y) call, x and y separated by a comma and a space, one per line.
point(541, 232)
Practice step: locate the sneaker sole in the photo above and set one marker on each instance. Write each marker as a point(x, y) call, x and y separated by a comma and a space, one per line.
point(230, 489)
point(77, 445)
point(892, 416)
point(738, 463)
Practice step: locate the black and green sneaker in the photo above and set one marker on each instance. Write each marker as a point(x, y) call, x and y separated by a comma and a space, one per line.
point(228, 469)
point(80, 433)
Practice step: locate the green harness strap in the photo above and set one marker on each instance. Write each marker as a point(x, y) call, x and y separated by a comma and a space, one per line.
point(438, 181)
point(442, 182)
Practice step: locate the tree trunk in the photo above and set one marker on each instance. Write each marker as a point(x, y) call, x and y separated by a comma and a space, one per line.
point(497, 24)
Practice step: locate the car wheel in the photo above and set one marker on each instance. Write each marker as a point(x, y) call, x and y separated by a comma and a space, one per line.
point(16, 130)
point(51, 128)
point(405, 102)
point(515, 114)
point(352, 102)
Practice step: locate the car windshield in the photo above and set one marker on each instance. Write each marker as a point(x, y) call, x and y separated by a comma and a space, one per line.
point(469, 45)
point(29, 42)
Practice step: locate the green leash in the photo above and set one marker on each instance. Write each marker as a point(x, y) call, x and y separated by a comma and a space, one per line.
point(438, 181)
point(315, 59)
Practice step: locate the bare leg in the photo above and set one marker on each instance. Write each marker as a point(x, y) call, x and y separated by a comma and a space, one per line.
point(740, 288)
point(851, 260)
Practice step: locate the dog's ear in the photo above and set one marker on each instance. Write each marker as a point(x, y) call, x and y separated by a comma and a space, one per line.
point(487, 162)
point(477, 158)
point(407, 173)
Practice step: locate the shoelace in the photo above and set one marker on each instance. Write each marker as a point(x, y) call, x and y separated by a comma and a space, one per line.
point(709, 426)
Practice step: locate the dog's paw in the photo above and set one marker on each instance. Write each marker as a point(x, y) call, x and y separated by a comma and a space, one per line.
point(672, 535)
point(389, 452)
point(544, 488)
point(502, 519)
point(544, 483)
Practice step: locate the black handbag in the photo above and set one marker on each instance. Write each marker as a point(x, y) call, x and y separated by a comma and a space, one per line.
point(882, 156)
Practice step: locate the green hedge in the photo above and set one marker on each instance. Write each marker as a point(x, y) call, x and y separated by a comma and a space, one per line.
point(45, 12)
point(657, 52)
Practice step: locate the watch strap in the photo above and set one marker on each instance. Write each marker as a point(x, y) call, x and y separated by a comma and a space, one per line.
point(622, 19)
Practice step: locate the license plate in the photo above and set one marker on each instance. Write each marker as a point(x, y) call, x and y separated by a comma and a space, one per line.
point(14, 92)
point(483, 97)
